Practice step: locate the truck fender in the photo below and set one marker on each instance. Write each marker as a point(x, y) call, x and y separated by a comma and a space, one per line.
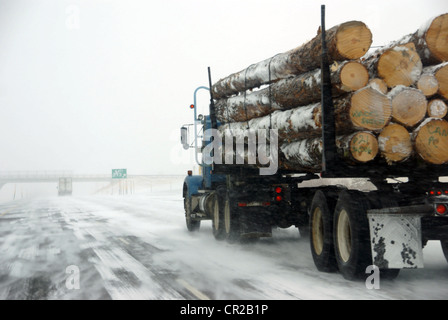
point(191, 185)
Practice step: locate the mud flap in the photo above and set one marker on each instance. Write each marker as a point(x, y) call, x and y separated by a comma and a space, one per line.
point(255, 224)
point(396, 240)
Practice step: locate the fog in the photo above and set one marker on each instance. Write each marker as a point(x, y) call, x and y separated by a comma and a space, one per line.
point(91, 85)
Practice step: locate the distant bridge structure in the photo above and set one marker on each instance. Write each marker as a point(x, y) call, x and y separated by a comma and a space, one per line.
point(50, 176)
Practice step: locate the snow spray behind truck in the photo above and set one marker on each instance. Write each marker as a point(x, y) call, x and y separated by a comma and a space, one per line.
point(257, 159)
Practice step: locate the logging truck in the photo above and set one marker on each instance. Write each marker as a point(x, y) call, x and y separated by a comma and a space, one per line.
point(263, 167)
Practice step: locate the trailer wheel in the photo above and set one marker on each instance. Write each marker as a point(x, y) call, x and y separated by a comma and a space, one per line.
point(321, 233)
point(351, 234)
point(231, 220)
point(192, 225)
point(218, 218)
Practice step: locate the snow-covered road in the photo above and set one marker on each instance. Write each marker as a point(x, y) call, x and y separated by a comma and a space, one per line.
point(137, 247)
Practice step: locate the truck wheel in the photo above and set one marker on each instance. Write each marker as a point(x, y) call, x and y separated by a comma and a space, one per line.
point(192, 225)
point(351, 235)
point(321, 233)
point(231, 221)
point(444, 244)
point(218, 218)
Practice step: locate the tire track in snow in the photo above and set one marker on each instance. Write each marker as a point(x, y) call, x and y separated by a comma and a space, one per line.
point(125, 278)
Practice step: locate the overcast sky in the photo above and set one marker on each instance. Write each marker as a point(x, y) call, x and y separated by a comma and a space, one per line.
point(92, 85)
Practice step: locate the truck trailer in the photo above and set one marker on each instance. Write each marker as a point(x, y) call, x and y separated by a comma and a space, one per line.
point(349, 229)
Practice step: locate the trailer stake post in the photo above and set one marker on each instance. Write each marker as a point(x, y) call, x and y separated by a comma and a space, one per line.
point(329, 155)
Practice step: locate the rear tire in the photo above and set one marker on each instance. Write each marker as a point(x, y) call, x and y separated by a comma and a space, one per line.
point(351, 235)
point(218, 218)
point(232, 225)
point(192, 225)
point(321, 233)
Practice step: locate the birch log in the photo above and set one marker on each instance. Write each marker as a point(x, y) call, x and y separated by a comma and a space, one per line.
point(395, 143)
point(366, 109)
point(396, 64)
point(379, 85)
point(442, 77)
point(347, 41)
point(345, 77)
point(428, 84)
point(437, 108)
point(431, 141)
point(298, 123)
point(431, 40)
point(370, 109)
point(409, 105)
point(289, 93)
point(359, 147)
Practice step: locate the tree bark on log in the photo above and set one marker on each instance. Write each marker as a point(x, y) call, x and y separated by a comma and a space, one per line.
point(379, 85)
point(346, 77)
point(440, 74)
point(409, 105)
point(442, 77)
point(395, 143)
point(396, 64)
point(303, 155)
point(431, 40)
point(347, 41)
point(359, 147)
point(289, 93)
point(366, 109)
point(431, 141)
point(299, 123)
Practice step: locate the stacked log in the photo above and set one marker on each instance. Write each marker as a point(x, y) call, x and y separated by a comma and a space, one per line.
point(395, 143)
point(347, 41)
point(431, 40)
point(390, 104)
point(396, 64)
point(285, 94)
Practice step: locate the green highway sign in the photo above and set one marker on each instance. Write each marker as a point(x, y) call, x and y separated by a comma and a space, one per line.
point(119, 174)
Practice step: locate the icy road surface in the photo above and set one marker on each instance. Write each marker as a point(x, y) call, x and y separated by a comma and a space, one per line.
point(137, 247)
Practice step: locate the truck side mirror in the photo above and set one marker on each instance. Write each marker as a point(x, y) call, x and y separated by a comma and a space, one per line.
point(184, 137)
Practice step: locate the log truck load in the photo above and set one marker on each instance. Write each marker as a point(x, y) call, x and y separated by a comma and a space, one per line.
point(282, 134)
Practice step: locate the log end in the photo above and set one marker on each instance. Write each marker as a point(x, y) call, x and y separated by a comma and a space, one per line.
point(437, 108)
point(353, 40)
point(431, 141)
point(437, 37)
point(370, 109)
point(409, 105)
point(363, 147)
point(442, 78)
point(428, 84)
point(354, 76)
point(395, 143)
point(400, 65)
